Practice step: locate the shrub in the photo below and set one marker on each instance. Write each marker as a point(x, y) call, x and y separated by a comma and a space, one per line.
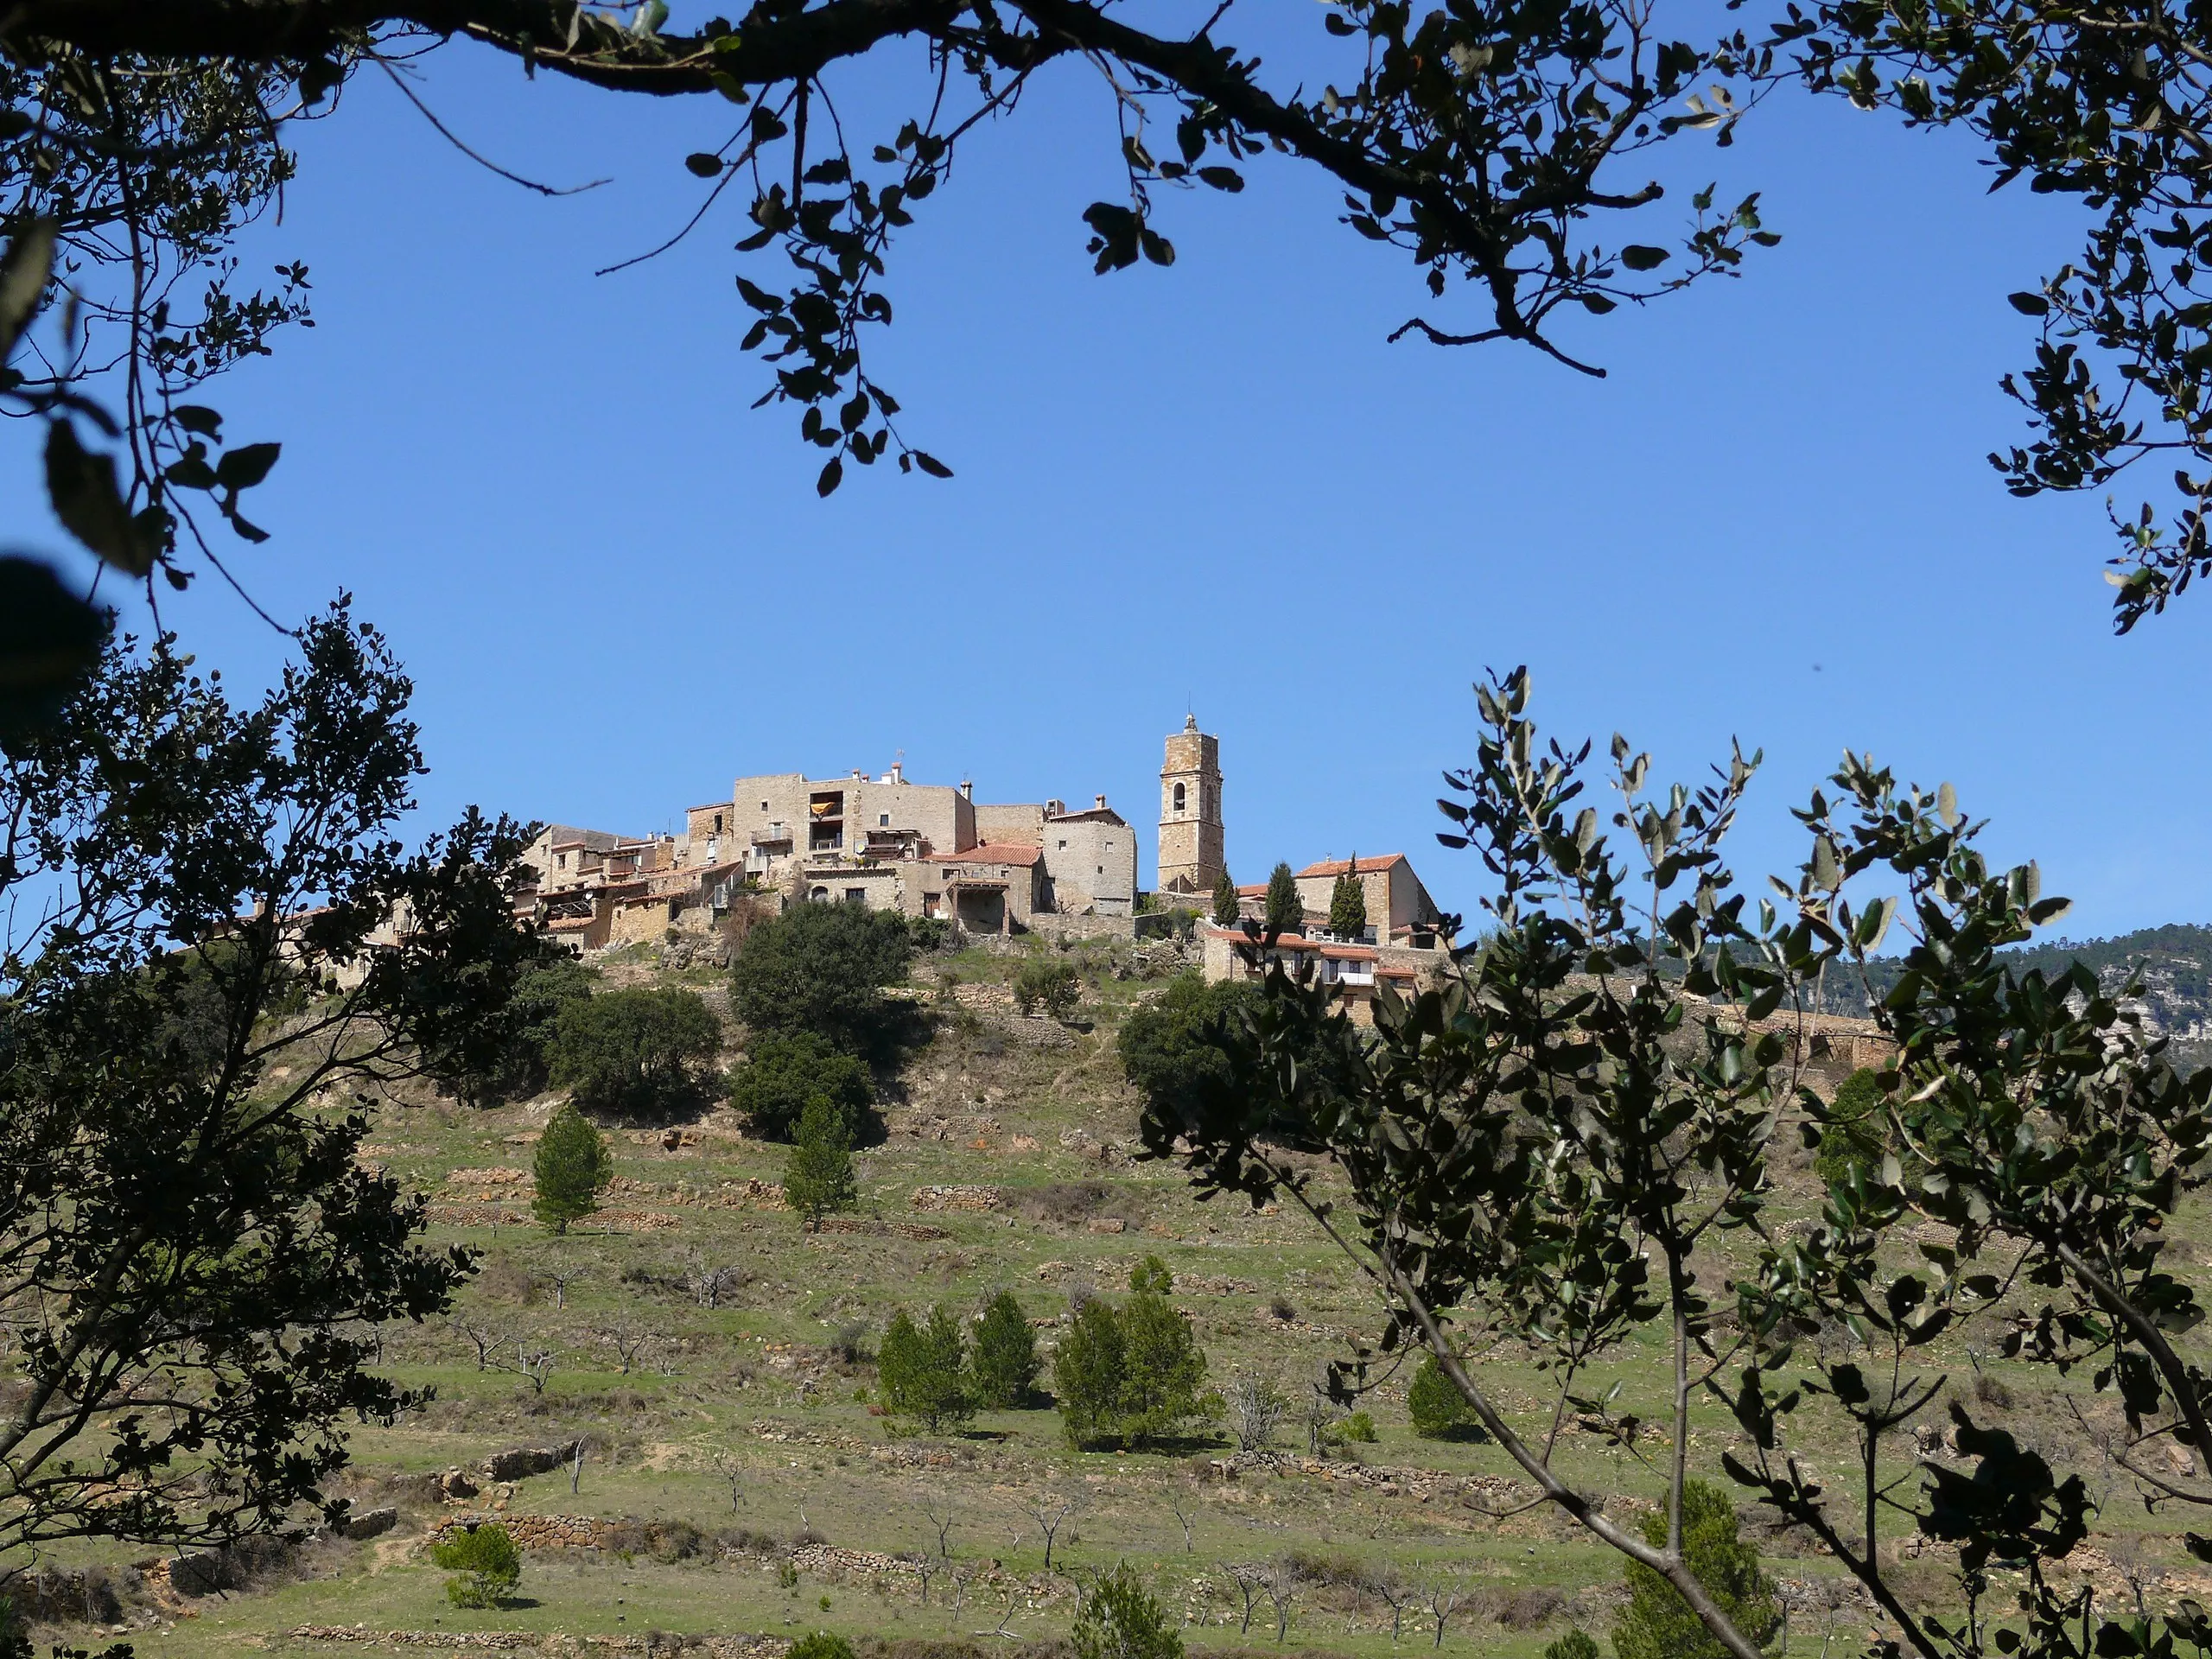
point(1053, 986)
point(636, 1053)
point(818, 1175)
point(572, 1169)
point(822, 968)
point(1181, 1051)
point(486, 1565)
point(1575, 1644)
point(1358, 1429)
point(783, 1071)
point(1120, 1621)
point(1005, 1365)
point(1285, 910)
point(1657, 1623)
point(924, 1370)
point(929, 932)
point(1852, 1138)
point(821, 1645)
point(1440, 1411)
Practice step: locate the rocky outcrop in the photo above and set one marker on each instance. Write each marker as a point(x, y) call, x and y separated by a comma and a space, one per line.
point(521, 1461)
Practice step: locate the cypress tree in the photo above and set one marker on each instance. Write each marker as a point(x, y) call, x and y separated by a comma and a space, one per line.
point(1285, 910)
point(1225, 908)
point(818, 1176)
point(572, 1169)
point(1348, 904)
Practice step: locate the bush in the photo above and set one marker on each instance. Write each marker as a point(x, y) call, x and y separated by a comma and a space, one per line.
point(1440, 1411)
point(1182, 1051)
point(818, 1175)
point(639, 1053)
point(783, 1071)
point(1575, 1644)
point(924, 1371)
point(822, 968)
point(1358, 1429)
point(1657, 1623)
point(1854, 1136)
point(1005, 1365)
point(1120, 1621)
point(572, 1169)
point(821, 1645)
point(1053, 986)
point(486, 1565)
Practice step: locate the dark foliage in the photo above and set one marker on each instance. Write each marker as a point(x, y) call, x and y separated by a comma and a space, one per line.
point(782, 1070)
point(636, 1053)
point(198, 892)
point(821, 969)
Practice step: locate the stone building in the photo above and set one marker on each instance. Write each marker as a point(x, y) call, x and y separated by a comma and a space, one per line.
point(1191, 835)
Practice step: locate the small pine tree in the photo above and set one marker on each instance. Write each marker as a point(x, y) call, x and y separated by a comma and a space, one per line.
point(1225, 907)
point(1285, 910)
point(1657, 1623)
point(1120, 1621)
point(925, 1369)
point(572, 1169)
point(1005, 1365)
point(1440, 1411)
point(486, 1565)
point(1090, 1367)
point(1348, 904)
point(1853, 1137)
point(823, 1644)
point(1165, 1368)
point(1575, 1644)
point(818, 1175)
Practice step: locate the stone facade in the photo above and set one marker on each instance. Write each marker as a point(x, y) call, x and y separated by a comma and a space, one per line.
point(1191, 846)
point(1357, 969)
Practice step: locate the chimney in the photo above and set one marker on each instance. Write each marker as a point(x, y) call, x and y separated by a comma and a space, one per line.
point(1099, 803)
point(1056, 809)
point(967, 788)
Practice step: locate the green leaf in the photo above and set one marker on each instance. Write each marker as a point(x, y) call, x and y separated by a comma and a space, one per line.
point(832, 476)
point(82, 486)
point(197, 418)
point(24, 272)
point(2029, 305)
point(703, 165)
point(49, 641)
point(247, 466)
point(931, 464)
point(1638, 258)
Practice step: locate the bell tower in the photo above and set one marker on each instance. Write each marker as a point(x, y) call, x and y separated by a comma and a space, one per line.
point(1190, 812)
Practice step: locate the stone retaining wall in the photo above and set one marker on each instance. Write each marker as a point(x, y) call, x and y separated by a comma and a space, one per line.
point(534, 1531)
point(720, 1647)
point(959, 1197)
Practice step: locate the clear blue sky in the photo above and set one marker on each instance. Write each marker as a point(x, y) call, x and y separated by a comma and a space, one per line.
point(1214, 486)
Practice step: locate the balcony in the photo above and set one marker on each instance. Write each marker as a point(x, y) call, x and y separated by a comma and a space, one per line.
point(776, 835)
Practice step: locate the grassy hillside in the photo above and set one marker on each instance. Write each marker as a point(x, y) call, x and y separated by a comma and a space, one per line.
point(737, 1482)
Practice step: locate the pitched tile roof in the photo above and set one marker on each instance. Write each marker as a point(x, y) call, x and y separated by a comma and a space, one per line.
point(1343, 866)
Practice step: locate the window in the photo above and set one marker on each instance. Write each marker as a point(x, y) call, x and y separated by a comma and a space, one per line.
point(563, 861)
point(764, 806)
point(718, 823)
point(883, 820)
point(856, 895)
point(1179, 798)
point(1102, 869)
point(1064, 846)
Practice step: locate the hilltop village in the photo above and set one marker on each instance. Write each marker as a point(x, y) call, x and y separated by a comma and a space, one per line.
point(985, 870)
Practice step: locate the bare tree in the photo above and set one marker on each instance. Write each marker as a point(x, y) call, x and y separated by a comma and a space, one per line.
point(1184, 1501)
point(943, 1525)
point(731, 1472)
point(1246, 1580)
point(576, 1463)
point(1256, 1410)
point(1397, 1594)
point(925, 1567)
point(1281, 1587)
point(708, 1285)
point(485, 1336)
point(1443, 1598)
point(1048, 1511)
point(626, 1337)
point(561, 1275)
point(963, 1575)
point(534, 1365)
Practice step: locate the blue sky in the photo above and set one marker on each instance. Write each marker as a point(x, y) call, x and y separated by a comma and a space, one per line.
point(1212, 486)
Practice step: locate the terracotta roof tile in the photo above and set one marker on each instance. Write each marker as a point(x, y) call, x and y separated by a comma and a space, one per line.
point(1343, 866)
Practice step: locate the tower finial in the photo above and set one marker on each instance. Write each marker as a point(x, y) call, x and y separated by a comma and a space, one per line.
point(1191, 722)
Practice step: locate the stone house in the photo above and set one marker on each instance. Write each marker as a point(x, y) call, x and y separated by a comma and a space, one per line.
point(1399, 909)
point(1355, 969)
